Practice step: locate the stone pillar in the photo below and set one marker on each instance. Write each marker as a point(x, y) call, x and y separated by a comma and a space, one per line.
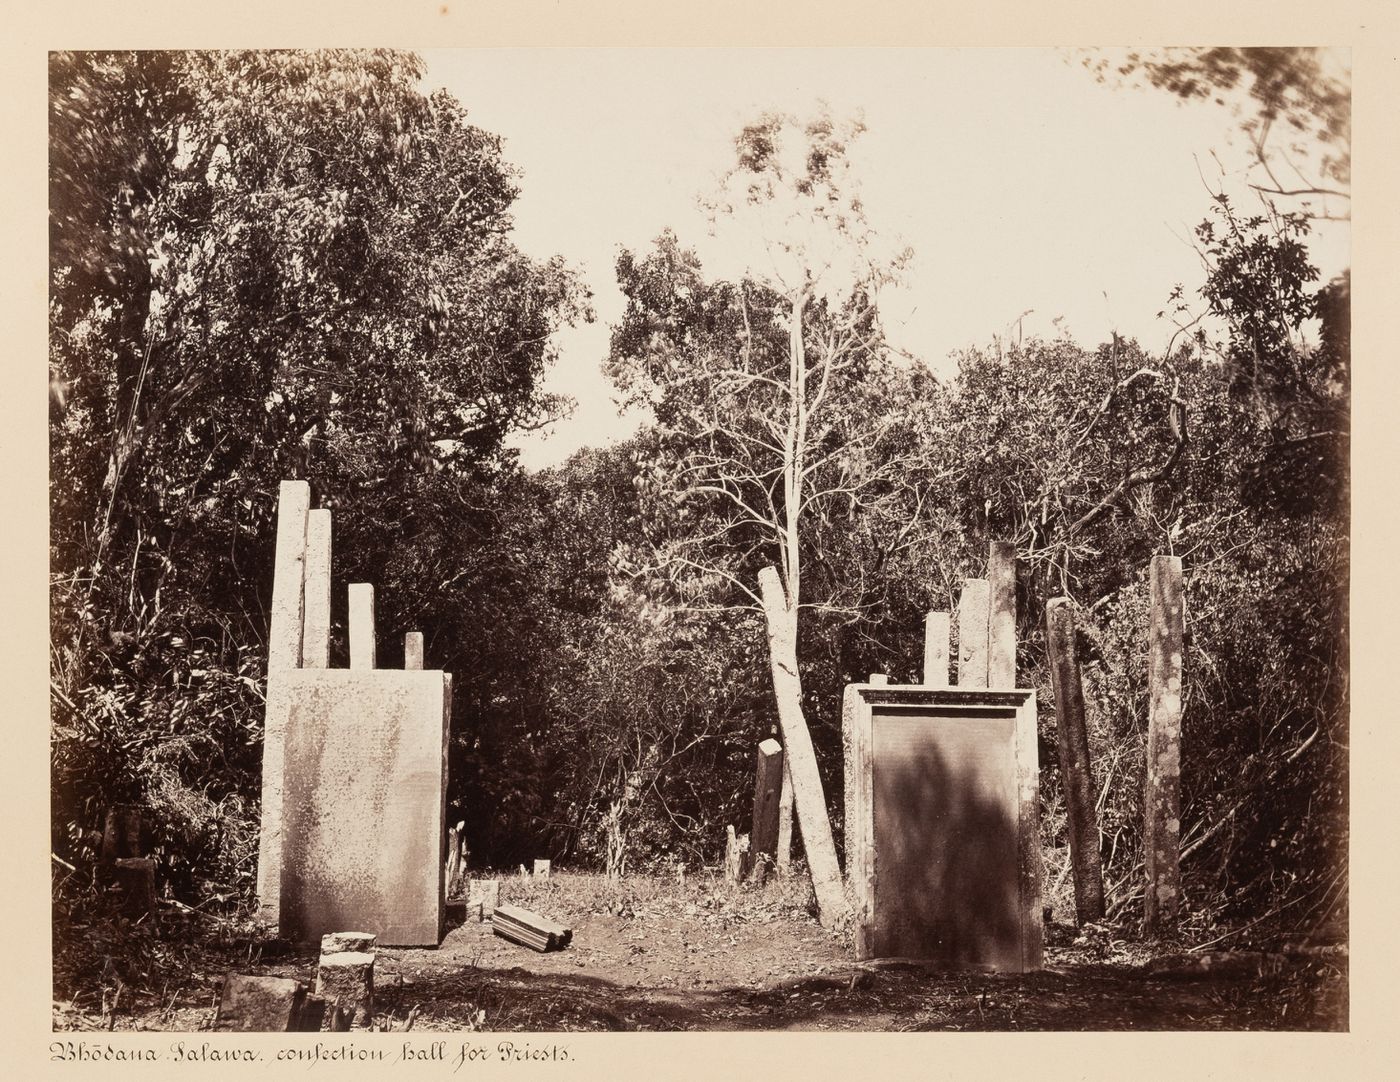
point(413, 650)
point(362, 654)
point(878, 679)
point(1001, 624)
point(347, 978)
point(767, 789)
point(316, 637)
point(972, 634)
point(284, 641)
point(1162, 807)
point(284, 631)
point(937, 628)
point(1073, 741)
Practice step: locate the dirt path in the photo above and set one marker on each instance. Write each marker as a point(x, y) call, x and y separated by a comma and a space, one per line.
point(658, 955)
point(669, 974)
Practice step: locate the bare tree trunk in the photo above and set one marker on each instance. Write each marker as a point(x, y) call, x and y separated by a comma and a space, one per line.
point(808, 798)
point(783, 858)
point(793, 444)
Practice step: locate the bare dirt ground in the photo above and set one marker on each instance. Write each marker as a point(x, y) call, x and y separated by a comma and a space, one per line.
point(655, 954)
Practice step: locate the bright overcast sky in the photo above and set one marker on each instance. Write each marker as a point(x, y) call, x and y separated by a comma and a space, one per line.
point(1019, 182)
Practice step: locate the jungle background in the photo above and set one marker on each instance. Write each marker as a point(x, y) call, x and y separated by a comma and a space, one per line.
point(300, 265)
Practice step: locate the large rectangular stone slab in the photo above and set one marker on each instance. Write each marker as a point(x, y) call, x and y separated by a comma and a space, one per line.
point(364, 803)
point(943, 833)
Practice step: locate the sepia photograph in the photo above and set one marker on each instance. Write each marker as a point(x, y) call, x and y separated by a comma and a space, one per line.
point(606, 540)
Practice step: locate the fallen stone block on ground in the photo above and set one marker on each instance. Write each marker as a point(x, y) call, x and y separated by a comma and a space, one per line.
point(259, 1004)
point(529, 929)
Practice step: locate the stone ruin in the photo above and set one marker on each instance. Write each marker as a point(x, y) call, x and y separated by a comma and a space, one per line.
point(354, 761)
point(942, 798)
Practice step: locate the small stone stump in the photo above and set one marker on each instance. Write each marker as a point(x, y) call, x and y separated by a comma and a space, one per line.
point(318, 1016)
point(346, 976)
point(340, 942)
point(121, 833)
point(483, 897)
point(259, 1004)
point(135, 878)
point(541, 869)
point(736, 856)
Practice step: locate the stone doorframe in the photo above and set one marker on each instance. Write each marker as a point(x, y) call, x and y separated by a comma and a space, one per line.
point(858, 705)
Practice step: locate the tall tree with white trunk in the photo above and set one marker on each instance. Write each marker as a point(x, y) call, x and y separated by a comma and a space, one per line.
point(768, 396)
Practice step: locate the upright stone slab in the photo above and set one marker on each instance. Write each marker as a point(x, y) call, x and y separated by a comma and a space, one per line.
point(284, 642)
point(1001, 618)
point(541, 870)
point(943, 846)
point(288, 577)
point(972, 634)
point(413, 650)
point(1162, 810)
point(316, 628)
point(365, 804)
point(767, 789)
point(362, 650)
point(937, 630)
point(878, 679)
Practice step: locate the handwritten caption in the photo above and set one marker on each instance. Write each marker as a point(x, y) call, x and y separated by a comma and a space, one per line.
point(453, 1054)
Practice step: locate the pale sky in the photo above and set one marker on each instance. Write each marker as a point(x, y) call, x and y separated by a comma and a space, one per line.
point(1019, 182)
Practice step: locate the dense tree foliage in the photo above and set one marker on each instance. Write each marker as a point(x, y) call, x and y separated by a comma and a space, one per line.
point(271, 265)
point(264, 265)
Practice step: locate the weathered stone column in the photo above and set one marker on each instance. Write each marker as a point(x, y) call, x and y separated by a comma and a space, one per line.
point(288, 577)
point(1162, 825)
point(316, 638)
point(413, 650)
point(284, 639)
point(1073, 739)
point(362, 654)
point(972, 634)
point(767, 789)
point(1001, 625)
point(937, 628)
